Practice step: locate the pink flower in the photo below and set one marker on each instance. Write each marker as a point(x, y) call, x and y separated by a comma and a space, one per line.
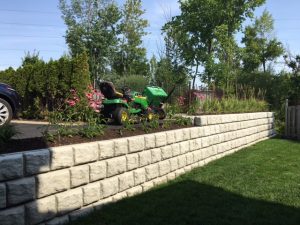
point(71, 103)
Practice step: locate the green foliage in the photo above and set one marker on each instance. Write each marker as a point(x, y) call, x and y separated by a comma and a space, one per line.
point(135, 82)
point(229, 105)
point(182, 121)
point(92, 28)
point(260, 46)
point(6, 133)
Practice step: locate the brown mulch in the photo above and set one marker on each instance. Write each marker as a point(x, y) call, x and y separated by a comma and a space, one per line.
point(40, 143)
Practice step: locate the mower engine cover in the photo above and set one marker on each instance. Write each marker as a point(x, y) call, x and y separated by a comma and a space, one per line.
point(155, 95)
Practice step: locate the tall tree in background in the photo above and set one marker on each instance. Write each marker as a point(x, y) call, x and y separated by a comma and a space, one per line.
point(260, 44)
point(131, 58)
point(198, 26)
point(91, 27)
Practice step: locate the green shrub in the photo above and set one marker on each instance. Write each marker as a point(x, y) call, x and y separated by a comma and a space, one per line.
point(135, 82)
point(6, 133)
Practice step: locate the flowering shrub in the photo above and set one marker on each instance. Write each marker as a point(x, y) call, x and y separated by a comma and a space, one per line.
point(181, 100)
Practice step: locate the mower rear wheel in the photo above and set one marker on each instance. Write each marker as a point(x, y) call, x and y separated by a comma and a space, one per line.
point(121, 115)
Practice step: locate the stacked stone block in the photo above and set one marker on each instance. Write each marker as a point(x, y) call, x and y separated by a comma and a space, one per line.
point(57, 185)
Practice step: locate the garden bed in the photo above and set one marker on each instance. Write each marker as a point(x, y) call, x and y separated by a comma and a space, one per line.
point(41, 142)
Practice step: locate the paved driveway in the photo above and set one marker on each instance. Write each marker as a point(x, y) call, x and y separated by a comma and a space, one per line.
point(29, 129)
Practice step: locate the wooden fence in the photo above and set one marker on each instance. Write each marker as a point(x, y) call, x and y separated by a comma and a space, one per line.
point(292, 121)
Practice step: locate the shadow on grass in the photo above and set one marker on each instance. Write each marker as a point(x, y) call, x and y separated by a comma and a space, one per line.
point(192, 203)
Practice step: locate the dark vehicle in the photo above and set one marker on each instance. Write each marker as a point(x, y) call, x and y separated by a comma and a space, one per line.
point(9, 103)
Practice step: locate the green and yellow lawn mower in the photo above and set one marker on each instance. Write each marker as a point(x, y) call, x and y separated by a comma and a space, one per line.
point(121, 106)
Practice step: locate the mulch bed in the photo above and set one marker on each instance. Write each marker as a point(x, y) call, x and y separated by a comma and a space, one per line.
point(41, 143)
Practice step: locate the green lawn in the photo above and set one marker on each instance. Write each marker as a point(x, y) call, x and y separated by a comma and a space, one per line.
point(258, 185)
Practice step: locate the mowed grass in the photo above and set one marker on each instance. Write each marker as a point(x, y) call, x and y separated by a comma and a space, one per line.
point(258, 185)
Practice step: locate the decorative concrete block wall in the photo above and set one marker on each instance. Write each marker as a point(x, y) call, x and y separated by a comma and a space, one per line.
point(53, 186)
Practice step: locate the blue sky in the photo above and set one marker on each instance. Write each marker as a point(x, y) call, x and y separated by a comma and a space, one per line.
point(28, 25)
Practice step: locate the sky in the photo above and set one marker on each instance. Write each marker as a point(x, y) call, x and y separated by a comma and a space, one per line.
point(36, 25)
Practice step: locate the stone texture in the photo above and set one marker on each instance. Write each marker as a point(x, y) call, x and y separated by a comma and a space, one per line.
point(41, 210)
point(79, 175)
point(85, 153)
point(149, 141)
point(11, 166)
point(166, 152)
point(139, 176)
point(164, 167)
point(103, 202)
point(109, 186)
point(186, 134)
point(62, 220)
point(13, 216)
point(97, 170)
point(134, 191)
point(119, 196)
point(171, 137)
point(126, 181)
point(145, 158)
point(160, 180)
point(178, 135)
point(156, 155)
point(61, 157)
point(173, 164)
point(132, 161)
point(116, 166)
point(181, 161)
point(2, 196)
point(152, 171)
point(136, 144)
point(53, 182)
point(121, 147)
point(184, 147)
point(81, 213)
point(19, 191)
point(69, 201)
point(160, 139)
point(189, 158)
point(175, 149)
point(91, 193)
point(106, 149)
point(147, 186)
point(37, 161)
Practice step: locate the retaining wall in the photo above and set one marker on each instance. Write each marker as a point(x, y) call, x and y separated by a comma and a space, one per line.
point(53, 186)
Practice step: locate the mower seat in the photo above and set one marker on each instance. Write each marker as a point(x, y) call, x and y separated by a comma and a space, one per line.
point(109, 91)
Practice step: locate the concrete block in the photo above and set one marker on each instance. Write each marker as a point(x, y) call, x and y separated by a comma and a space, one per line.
point(178, 135)
point(91, 193)
point(194, 132)
point(160, 180)
point(197, 155)
point(41, 210)
point(171, 176)
point(103, 202)
point(116, 166)
point(139, 176)
point(13, 216)
point(171, 137)
point(11, 166)
point(175, 149)
point(97, 170)
point(53, 182)
point(134, 191)
point(189, 158)
point(61, 157)
point(132, 161)
point(136, 144)
point(201, 121)
point(195, 144)
point(81, 213)
point(2, 196)
point(164, 167)
point(126, 181)
point(21, 190)
point(174, 164)
point(109, 187)
point(37, 161)
point(149, 141)
point(166, 152)
point(84, 153)
point(181, 161)
point(79, 175)
point(106, 149)
point(121, 147)
point(62, 220)
point(156, 155)
point(179, 172)
point(205, 142)
point(184, 147)
point(145, 158)
point(69, 201)
point(152, 171)
point(119, 196)
point(186, 134)
point(147, 186)
point(160, 139)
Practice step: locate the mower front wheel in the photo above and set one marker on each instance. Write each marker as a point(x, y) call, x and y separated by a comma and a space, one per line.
point(162, 114)
point(121, 115)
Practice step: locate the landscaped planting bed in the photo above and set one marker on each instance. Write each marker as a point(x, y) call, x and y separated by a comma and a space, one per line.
point(259, 185)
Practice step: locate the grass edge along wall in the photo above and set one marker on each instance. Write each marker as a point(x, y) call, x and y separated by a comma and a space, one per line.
point(57, 185)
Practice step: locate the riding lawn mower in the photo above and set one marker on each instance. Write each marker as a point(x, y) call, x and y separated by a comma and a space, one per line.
point(121, 106)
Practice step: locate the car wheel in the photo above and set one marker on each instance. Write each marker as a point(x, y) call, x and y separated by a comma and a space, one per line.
point(6, 112)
